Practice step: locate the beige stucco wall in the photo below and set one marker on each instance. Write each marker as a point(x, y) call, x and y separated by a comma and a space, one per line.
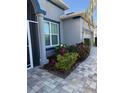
point(72, 31)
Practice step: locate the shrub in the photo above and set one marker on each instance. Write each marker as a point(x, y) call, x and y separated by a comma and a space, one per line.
point(72, 48)
point(66, 61)
point(83, 51)
point(52, 60)
point(87, 41)
point(61, 49)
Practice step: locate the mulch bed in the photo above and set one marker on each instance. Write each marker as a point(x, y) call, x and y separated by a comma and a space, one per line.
point(63, 74)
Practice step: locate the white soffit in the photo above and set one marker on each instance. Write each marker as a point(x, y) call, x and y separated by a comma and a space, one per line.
point(71, 15)
point(61, 4)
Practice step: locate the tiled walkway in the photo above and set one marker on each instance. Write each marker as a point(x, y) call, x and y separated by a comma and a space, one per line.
point(82, 80)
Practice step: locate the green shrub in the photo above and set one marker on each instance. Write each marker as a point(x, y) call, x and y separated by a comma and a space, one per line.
point(72, 48)
point(87, 41)
point(83, 51)
point(61, 49)
point(66, 61)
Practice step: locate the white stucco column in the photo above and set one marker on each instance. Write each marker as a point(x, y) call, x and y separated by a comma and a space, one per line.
point(92, 38)
point(43, 58)
point(91, 41)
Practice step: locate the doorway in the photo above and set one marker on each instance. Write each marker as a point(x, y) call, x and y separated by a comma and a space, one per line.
point(33, 55)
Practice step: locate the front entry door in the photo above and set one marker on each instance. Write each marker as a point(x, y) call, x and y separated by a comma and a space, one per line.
point(33, 54)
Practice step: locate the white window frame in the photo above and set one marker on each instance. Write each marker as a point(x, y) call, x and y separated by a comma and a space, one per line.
point(50, 33)
point(30, 47)
point(30, 44)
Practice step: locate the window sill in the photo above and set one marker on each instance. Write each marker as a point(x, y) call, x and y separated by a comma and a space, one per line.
point(51, 47)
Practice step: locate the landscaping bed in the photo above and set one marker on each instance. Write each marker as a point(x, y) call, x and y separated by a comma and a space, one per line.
point(66, 59)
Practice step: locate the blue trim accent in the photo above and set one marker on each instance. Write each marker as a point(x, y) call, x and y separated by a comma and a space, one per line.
point(52, 48)
point(51, 20)
point(55, 4)
point(37, 7)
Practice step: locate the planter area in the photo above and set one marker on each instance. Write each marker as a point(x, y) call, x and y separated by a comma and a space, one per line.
point(66, 59)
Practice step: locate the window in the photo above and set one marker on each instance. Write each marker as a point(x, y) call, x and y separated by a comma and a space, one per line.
point(51, 31)
point(47, 35)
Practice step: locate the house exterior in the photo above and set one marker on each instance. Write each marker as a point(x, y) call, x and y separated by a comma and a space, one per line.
point(48, 26)
point(75, 28)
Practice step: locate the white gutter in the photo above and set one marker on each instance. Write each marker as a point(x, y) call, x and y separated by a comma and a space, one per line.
point(61, 3)
point(71, 15)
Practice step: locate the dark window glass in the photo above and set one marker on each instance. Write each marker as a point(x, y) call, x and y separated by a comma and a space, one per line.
point(47, 40)
point(54, 39)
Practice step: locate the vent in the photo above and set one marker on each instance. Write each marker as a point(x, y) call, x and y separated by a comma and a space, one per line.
point(69, 13)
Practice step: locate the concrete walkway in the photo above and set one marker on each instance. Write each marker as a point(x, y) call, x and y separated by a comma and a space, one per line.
point(82, 80)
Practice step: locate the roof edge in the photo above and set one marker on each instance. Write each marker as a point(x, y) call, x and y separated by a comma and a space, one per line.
point(74, 15)
point(60, 3)
point(37, 7)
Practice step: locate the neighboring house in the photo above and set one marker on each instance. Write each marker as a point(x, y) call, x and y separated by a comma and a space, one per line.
point(48, 26)
point(95, 35)
point(75, 28)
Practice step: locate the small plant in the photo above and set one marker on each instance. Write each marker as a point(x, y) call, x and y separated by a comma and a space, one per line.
point(87, 41)
point(61, 49)
point(72, 48)
point(83, 51)
point(52, 60)
point(66, 61)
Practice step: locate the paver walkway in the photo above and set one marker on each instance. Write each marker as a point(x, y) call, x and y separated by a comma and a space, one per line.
point(82, 80)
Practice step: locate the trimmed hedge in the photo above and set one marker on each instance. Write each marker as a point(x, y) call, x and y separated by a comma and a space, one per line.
point(66, 61)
